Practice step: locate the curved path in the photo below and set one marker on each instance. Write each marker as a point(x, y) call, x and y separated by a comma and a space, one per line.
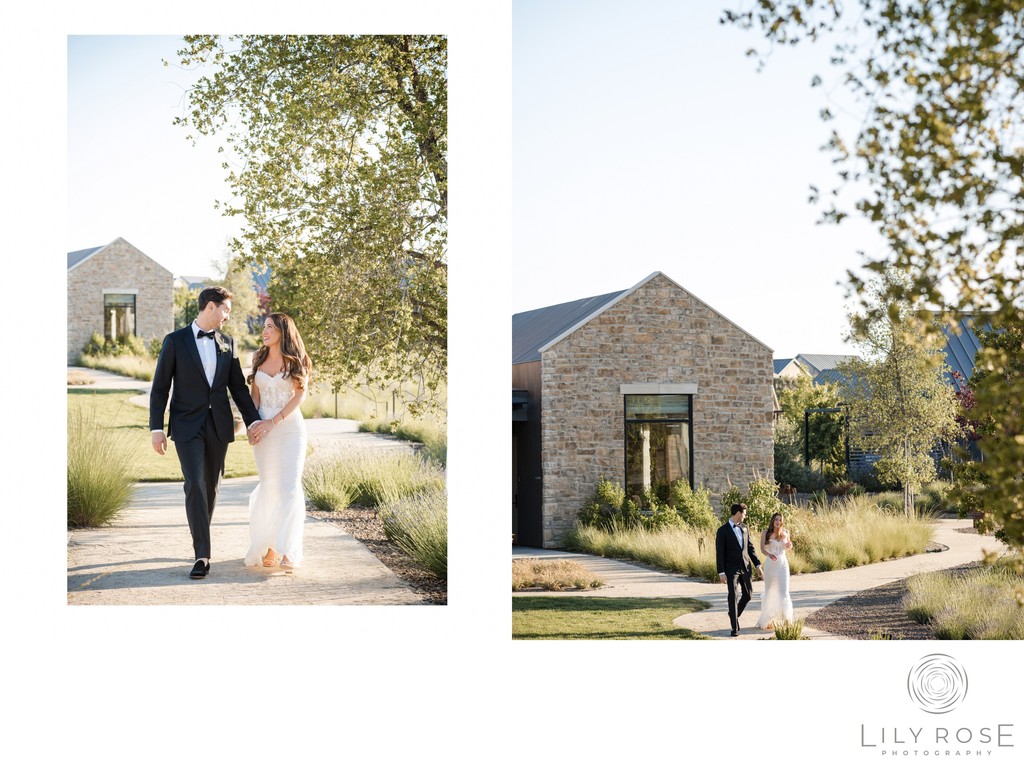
point(809, 592)
point(144, 557)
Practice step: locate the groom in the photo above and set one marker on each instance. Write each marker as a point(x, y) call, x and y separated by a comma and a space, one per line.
point(201, 363)
point(734, 551)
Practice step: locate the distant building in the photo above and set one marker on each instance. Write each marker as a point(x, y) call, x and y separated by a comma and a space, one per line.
point(642, 386)
point(192, 282)
point(117, 290)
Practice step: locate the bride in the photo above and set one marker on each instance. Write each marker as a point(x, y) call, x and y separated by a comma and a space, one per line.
point(277, 507)
point(775, 603)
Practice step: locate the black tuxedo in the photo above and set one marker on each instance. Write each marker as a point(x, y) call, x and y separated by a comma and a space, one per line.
point(201, 425)
point(735, 560)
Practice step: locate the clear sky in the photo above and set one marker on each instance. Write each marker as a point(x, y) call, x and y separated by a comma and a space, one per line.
point(645, 140)
point(131, 172)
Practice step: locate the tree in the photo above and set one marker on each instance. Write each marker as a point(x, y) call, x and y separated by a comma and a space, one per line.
point(940, 151)
point(186, 306)
point(999, 427)
point(237, 280)
point(901, 405)
point(825, 437)
point(342, 176)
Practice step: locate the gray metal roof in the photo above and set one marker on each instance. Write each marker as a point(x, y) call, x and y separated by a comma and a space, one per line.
point(830, 376)
point(962, 344)
point(819, 362)
point(78, 256)
point(780, 364)
point(532, 330)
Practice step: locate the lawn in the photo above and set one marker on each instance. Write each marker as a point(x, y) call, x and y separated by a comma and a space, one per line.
point(575, 617)
point(114, 409)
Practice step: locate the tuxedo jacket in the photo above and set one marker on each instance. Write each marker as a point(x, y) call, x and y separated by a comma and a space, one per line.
point(192, 397)
point(730, 555)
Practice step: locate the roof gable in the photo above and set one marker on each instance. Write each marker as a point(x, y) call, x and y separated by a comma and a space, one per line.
point(78, 256)
point(532, 330)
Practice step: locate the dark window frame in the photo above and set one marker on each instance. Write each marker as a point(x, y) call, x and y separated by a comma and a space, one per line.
point(119, 303)
point(627, 421)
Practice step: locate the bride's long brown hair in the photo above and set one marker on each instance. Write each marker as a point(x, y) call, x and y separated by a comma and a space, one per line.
point(771, 527)
point(297, 364)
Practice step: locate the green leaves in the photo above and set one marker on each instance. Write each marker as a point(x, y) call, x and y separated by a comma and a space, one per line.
point(340, 171)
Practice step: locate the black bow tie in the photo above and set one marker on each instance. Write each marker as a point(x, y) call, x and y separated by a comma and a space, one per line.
point(209, 334)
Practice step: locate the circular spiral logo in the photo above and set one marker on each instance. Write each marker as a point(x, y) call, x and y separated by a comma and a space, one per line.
point(937, 683)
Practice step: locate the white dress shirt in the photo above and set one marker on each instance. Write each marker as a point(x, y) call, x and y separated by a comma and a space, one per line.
point(207, 352)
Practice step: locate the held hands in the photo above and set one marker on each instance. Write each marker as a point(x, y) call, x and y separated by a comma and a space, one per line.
point(258, 430)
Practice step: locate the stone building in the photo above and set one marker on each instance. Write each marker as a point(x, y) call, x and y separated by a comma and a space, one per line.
point(643, 386)
point(117, 290)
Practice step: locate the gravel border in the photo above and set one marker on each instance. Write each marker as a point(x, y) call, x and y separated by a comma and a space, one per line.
point(364, 525)
point(875, 613)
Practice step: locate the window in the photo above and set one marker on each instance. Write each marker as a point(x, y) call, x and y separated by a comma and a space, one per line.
point(659, 442)
point(118, 315)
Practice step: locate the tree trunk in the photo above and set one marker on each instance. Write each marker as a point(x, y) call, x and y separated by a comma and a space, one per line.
point(908, 496)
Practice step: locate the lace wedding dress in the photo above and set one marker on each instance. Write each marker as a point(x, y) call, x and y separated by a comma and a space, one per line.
point(277, 507)
point(776, 603)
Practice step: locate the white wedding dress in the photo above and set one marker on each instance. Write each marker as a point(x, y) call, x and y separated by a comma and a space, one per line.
point(277, 507)
point(776, 603)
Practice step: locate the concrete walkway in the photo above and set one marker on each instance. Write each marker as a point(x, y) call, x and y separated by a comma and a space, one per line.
point(809, 592)
point(145, 556)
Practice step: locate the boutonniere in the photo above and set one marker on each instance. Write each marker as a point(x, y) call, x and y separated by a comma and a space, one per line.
point(222, 347)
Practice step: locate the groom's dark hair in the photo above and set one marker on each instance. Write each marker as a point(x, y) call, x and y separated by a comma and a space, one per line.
point(736, 508)
point(216, 294)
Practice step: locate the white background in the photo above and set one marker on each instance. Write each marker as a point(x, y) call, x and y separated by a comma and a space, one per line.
point(389, 684)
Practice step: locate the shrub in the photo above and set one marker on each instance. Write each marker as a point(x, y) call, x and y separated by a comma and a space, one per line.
point(867, 477)
point(730, 497)
point(762, 501)
point(604, 505)
point(100, 473)
point(798, 475)
point(843, 488)
point(125, 345)
point(692, 505)
point(609, 509)
point(418, 524)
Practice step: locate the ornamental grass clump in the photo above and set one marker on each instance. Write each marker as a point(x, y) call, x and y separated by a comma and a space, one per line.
point(679, 549)
point(557, 575)
point(978, 603)
point(789, 631)
point(852, 531)
point(368, 478)
point(418, 524)
point(100, 471)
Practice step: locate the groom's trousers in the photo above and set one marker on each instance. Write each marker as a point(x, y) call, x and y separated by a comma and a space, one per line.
point(738, 581)
point(202, 465)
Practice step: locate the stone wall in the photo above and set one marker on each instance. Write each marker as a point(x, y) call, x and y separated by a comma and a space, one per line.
point(659, 334)
point(118, 267)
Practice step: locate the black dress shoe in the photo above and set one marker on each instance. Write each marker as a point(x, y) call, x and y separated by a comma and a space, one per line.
point(200, 570)
point(734, 633)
